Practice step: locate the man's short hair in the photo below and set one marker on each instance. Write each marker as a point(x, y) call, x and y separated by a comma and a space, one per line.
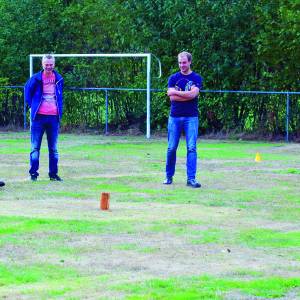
point(48, 56)
point(187, 54)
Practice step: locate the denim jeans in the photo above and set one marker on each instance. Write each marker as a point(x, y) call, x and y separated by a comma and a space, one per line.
point(175, 127)
point(43, 123)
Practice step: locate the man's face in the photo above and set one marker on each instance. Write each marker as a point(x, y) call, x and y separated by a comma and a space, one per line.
point(48, 65)
point(184, 64)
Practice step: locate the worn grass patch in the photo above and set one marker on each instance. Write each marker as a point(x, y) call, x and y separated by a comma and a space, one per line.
point(289, 213)
point(22, 274)
point(270, 238)
point(207, 288)
point(209, 236)
point(240, 230)
point(289, 171)
point(21, 225)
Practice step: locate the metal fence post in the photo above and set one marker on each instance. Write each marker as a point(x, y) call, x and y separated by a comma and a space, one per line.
point(287, 117)
point(106, 112)
point(148, 95)
point(24, 110)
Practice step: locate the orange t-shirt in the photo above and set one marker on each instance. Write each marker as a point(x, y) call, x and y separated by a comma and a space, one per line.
point(48, 106)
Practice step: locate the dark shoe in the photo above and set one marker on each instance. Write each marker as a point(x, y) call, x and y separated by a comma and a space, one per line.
point(193, 183)
point(168, 180)
point(55, 178)
point(33, 177)
point(2, 183)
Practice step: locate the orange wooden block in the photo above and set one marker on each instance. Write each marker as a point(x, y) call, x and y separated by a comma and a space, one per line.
point(104, 201)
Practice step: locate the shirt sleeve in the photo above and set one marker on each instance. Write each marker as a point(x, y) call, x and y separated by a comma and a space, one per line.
point(28, 90)
point(199, 82)
point(171, 82)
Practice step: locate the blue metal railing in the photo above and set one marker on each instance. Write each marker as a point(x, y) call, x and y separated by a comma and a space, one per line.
point(266, 93)
point(18, 87)
point(107, 89)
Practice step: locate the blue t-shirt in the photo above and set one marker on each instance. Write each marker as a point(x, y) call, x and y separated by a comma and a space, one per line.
point(184, 83)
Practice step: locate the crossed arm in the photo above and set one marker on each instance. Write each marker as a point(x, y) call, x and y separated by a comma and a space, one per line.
point(183, 95)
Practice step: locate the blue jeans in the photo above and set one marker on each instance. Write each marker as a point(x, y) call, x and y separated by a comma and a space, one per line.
point(175, 126)
point(43, 123)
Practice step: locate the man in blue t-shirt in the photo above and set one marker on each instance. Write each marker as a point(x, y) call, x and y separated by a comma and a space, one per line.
point(183, 91)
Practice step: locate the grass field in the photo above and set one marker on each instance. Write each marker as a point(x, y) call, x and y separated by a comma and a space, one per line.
point(238, 237)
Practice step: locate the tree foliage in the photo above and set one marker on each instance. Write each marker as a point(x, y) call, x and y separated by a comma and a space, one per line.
point(236, 44)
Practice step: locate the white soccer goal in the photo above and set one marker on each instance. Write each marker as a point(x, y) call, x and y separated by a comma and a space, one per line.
point(120, 55)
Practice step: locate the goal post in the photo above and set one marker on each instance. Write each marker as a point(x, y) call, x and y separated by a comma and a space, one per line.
point(115, 55)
